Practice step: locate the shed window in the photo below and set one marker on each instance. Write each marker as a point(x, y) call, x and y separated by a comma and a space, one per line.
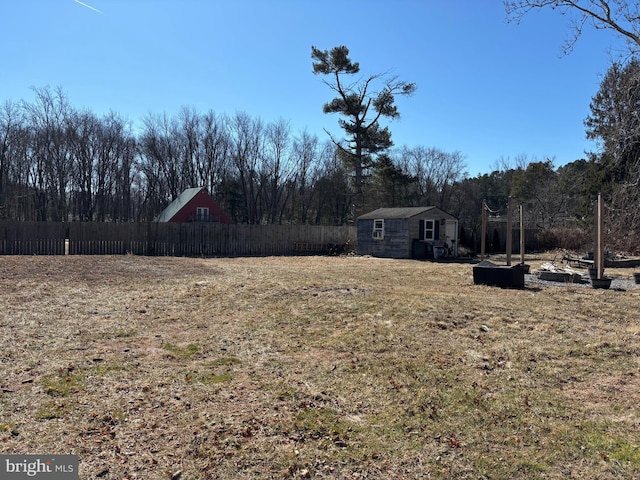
point(428, 230)
point(378, 229)
point(202, 214)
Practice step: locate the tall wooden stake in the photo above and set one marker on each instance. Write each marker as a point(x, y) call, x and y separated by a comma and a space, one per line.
point(599, 243)
point(521, 234)
point(509, 232)
point(483, 240)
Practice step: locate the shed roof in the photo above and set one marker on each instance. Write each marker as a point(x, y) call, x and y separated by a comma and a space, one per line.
point(402, 212)
point(175, 206)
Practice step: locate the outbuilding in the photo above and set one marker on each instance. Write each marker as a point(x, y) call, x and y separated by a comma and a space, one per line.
point(194, 205)
point(408, 232)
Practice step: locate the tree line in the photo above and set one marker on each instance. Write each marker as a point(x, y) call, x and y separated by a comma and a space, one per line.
point(61, 163)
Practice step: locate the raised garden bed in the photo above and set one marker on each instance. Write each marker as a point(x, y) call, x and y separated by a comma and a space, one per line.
point(505, 276)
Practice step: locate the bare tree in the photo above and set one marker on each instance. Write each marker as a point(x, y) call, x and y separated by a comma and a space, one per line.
point(503, 164)
point(48, 118)
point(276, 170)
point(620, 16)
point(307, 154)
point(115, 158)
point(102, 151)
point(11, 138)
point(19, 199)
point(421, 162)
point(246, 139)
point(436, 172)
point(160, 161)
point(83, 136)
point(333, 192)
point(213, 163)
point(189, 139)
point(448, 173)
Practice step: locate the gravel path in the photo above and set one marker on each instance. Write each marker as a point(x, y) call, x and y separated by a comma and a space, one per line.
point(616, 284)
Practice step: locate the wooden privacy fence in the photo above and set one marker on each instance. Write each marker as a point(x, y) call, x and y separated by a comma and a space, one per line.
point(32, 238)
point(172, 239)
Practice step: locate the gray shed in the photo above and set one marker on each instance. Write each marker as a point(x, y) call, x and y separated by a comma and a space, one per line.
point(408, 232)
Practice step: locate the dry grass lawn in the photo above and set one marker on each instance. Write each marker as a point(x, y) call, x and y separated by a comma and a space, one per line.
point(314, 367)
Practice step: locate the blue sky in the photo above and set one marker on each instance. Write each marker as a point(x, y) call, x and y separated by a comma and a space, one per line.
point(486, 88)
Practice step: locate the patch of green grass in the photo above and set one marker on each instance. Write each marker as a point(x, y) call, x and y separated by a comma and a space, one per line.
point(626, 452)
point(532, 469)
point(598, 441)
point(322, 423)
point(62, 384)
point(225, 361)
point(51, 410)
point(182, 352)
point(213, 378)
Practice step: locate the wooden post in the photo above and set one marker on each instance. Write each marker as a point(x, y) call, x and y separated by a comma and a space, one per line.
point(599, 243)
point(484, 230)
point(509, 232)
point(521, 234)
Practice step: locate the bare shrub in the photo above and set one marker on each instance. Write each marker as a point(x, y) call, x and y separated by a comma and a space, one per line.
point(561, 237)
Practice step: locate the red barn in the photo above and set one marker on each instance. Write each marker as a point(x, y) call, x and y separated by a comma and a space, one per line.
point(194, 205)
